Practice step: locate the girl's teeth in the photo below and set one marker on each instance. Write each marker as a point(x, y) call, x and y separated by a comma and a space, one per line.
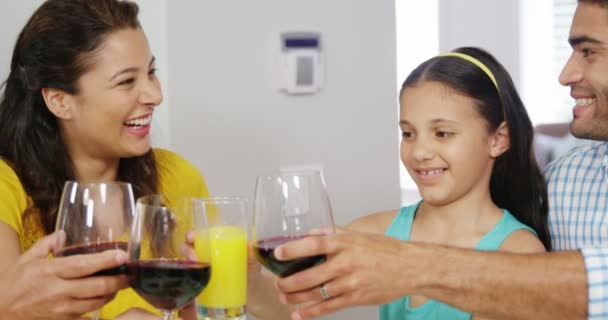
point(431, 172)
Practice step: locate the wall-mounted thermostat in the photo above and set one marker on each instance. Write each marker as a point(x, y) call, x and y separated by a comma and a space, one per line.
point(301, 62)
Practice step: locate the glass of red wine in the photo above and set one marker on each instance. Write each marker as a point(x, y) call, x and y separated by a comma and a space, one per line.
point(162, 269)
point(289, 206)
point(95, 217)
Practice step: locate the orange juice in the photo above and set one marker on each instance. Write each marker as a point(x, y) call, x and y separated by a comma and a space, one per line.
point(227, 287)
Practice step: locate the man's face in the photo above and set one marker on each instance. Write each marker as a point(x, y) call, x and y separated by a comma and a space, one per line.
point(586, 72)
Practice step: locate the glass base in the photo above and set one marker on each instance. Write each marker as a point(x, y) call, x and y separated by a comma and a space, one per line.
point(237, 313)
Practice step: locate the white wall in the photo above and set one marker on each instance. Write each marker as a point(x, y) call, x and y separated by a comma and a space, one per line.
point(489, 24)
point(228, 118)
point(11, 21)
point(153, 19)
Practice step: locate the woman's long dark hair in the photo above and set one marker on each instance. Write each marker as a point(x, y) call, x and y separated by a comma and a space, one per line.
point(517, 183)
point(53, 50)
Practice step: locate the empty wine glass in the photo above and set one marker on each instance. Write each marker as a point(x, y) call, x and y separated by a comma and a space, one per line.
point(289, 206)
point(95, 217)
point(159, 268)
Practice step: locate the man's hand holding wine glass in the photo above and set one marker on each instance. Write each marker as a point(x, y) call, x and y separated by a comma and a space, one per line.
point(346, 279)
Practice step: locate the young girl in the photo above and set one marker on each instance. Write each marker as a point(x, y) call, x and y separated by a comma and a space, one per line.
point(467, 143)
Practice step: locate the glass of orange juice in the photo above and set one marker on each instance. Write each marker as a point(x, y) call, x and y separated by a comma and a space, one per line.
point(225, 240)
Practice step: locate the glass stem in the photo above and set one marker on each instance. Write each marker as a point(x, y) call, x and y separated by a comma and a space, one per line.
point(95, 315)
point(167, 314)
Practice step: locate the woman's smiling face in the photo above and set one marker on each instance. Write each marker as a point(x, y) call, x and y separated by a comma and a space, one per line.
point(110, 116)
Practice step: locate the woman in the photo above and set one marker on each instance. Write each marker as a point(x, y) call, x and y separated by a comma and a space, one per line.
point(77, 105)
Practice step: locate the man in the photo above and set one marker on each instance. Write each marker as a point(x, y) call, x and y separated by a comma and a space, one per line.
point(563, 285)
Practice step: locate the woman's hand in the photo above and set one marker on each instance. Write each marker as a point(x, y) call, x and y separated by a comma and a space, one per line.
point(36, 287)
point(187, 247)
point(361, 269)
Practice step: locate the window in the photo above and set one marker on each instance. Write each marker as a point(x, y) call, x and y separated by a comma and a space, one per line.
point(545, 25)
point(414, 47)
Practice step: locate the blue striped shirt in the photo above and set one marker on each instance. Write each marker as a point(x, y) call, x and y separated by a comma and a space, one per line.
point(578, 215)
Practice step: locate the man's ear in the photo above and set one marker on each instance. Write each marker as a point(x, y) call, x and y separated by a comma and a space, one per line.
point(58, 102)
point(501, 141)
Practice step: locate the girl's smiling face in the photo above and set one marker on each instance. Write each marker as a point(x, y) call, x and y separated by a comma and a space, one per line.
point(446, 146)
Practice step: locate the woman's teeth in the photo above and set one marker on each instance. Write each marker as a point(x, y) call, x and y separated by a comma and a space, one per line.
point(583, 102)
point(139, 122)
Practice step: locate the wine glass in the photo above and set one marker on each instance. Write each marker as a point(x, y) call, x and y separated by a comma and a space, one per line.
point(289, 206)
point(160, 269)
point(95, 217)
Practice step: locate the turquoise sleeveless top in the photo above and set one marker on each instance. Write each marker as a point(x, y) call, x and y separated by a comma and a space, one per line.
point(401, 228)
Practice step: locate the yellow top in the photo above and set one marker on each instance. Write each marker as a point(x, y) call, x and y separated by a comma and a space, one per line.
point(176, 176)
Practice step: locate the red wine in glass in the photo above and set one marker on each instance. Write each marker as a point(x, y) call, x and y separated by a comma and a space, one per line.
point(159, 270)
point(289, 206)
point(168, 284)
point(264, 250)
point(96, 248)
point(94, 217)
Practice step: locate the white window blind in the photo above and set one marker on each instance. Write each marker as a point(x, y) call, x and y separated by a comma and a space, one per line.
point(545, 25)
point(563, 10)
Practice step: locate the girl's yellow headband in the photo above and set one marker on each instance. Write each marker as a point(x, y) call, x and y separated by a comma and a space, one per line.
point(473, 61)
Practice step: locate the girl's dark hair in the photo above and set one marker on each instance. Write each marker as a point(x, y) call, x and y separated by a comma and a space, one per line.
point(55, 48)
point(517, 183)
